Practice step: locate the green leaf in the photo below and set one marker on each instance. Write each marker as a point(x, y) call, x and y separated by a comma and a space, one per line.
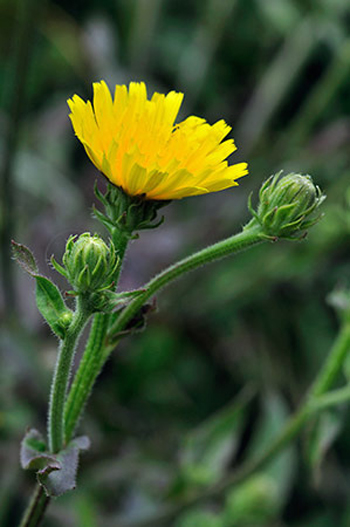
point(274, 415)
point(258, 500)
point(55, 472)
point(48, 298)
point(322, 436)
point(207, 451)
point(200, 518)
point(60, 481)
point(34, 456)
point(51, 305)
point(24, 257)
point(254, 502)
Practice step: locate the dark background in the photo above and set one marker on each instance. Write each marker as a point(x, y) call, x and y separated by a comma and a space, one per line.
point(278, 72)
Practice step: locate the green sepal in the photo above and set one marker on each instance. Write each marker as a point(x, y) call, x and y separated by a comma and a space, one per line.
point(251, 209)
point(83, 277)
point(24, 257)
point(127, 213)
point(99, 194)
point(279, 215)
point(59, 268)
point(56, 473)
point(145, 225)
point(52, 307)
point(110, 225)
point(288, 205)
point(108, 301)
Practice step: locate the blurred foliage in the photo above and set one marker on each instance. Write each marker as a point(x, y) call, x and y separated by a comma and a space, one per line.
point(168, 414)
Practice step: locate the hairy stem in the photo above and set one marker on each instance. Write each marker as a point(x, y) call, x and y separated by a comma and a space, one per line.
point(85, 376)
point(36, 508)
point(64, 414)
point(62, 375)
point(96, 352)
point(249, 236)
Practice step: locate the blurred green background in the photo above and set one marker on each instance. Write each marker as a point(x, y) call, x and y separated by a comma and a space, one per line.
point(232, 348)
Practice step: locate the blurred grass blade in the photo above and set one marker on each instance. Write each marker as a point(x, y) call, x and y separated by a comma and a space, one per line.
point(273, 417)
point(321, 438)
point(321, 95)
point(142, 33)
point(276, 82)
point(207, 450)
point(15, 95)
point(198, 56)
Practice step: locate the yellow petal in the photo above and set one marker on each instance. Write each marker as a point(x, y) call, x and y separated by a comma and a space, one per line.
point(134, 142)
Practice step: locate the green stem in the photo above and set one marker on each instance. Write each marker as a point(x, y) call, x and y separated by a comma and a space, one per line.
point(63, 418)
point(85, 377)
point(93, 358)
point(251, 235)
point(334, 362)
point(333, 398)
point(61, 376)
point(36, 508)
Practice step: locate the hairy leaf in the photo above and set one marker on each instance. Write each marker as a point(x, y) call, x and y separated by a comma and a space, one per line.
point(24, 257)
point(63, 480)
point(51, 305)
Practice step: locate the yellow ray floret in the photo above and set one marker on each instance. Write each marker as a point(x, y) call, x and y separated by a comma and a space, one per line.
point(136, 144)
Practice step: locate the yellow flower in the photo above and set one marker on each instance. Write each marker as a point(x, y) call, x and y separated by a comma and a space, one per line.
point(136, 144)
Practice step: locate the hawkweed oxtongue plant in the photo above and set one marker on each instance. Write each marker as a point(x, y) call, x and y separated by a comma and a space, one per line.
point(149, 161)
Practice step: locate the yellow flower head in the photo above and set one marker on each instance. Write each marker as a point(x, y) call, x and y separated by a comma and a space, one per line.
point(136, 144)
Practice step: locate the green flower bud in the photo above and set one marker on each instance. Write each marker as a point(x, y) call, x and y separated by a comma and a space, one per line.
point(65, 320)
point(288, 205)
point(89, 264)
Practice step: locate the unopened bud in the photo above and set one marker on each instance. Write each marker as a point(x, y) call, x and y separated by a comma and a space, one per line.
point(288, 205)
point(89, 264)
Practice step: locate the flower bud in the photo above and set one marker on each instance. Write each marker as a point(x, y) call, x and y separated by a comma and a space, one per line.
point(288, 205)
point(89, 263)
